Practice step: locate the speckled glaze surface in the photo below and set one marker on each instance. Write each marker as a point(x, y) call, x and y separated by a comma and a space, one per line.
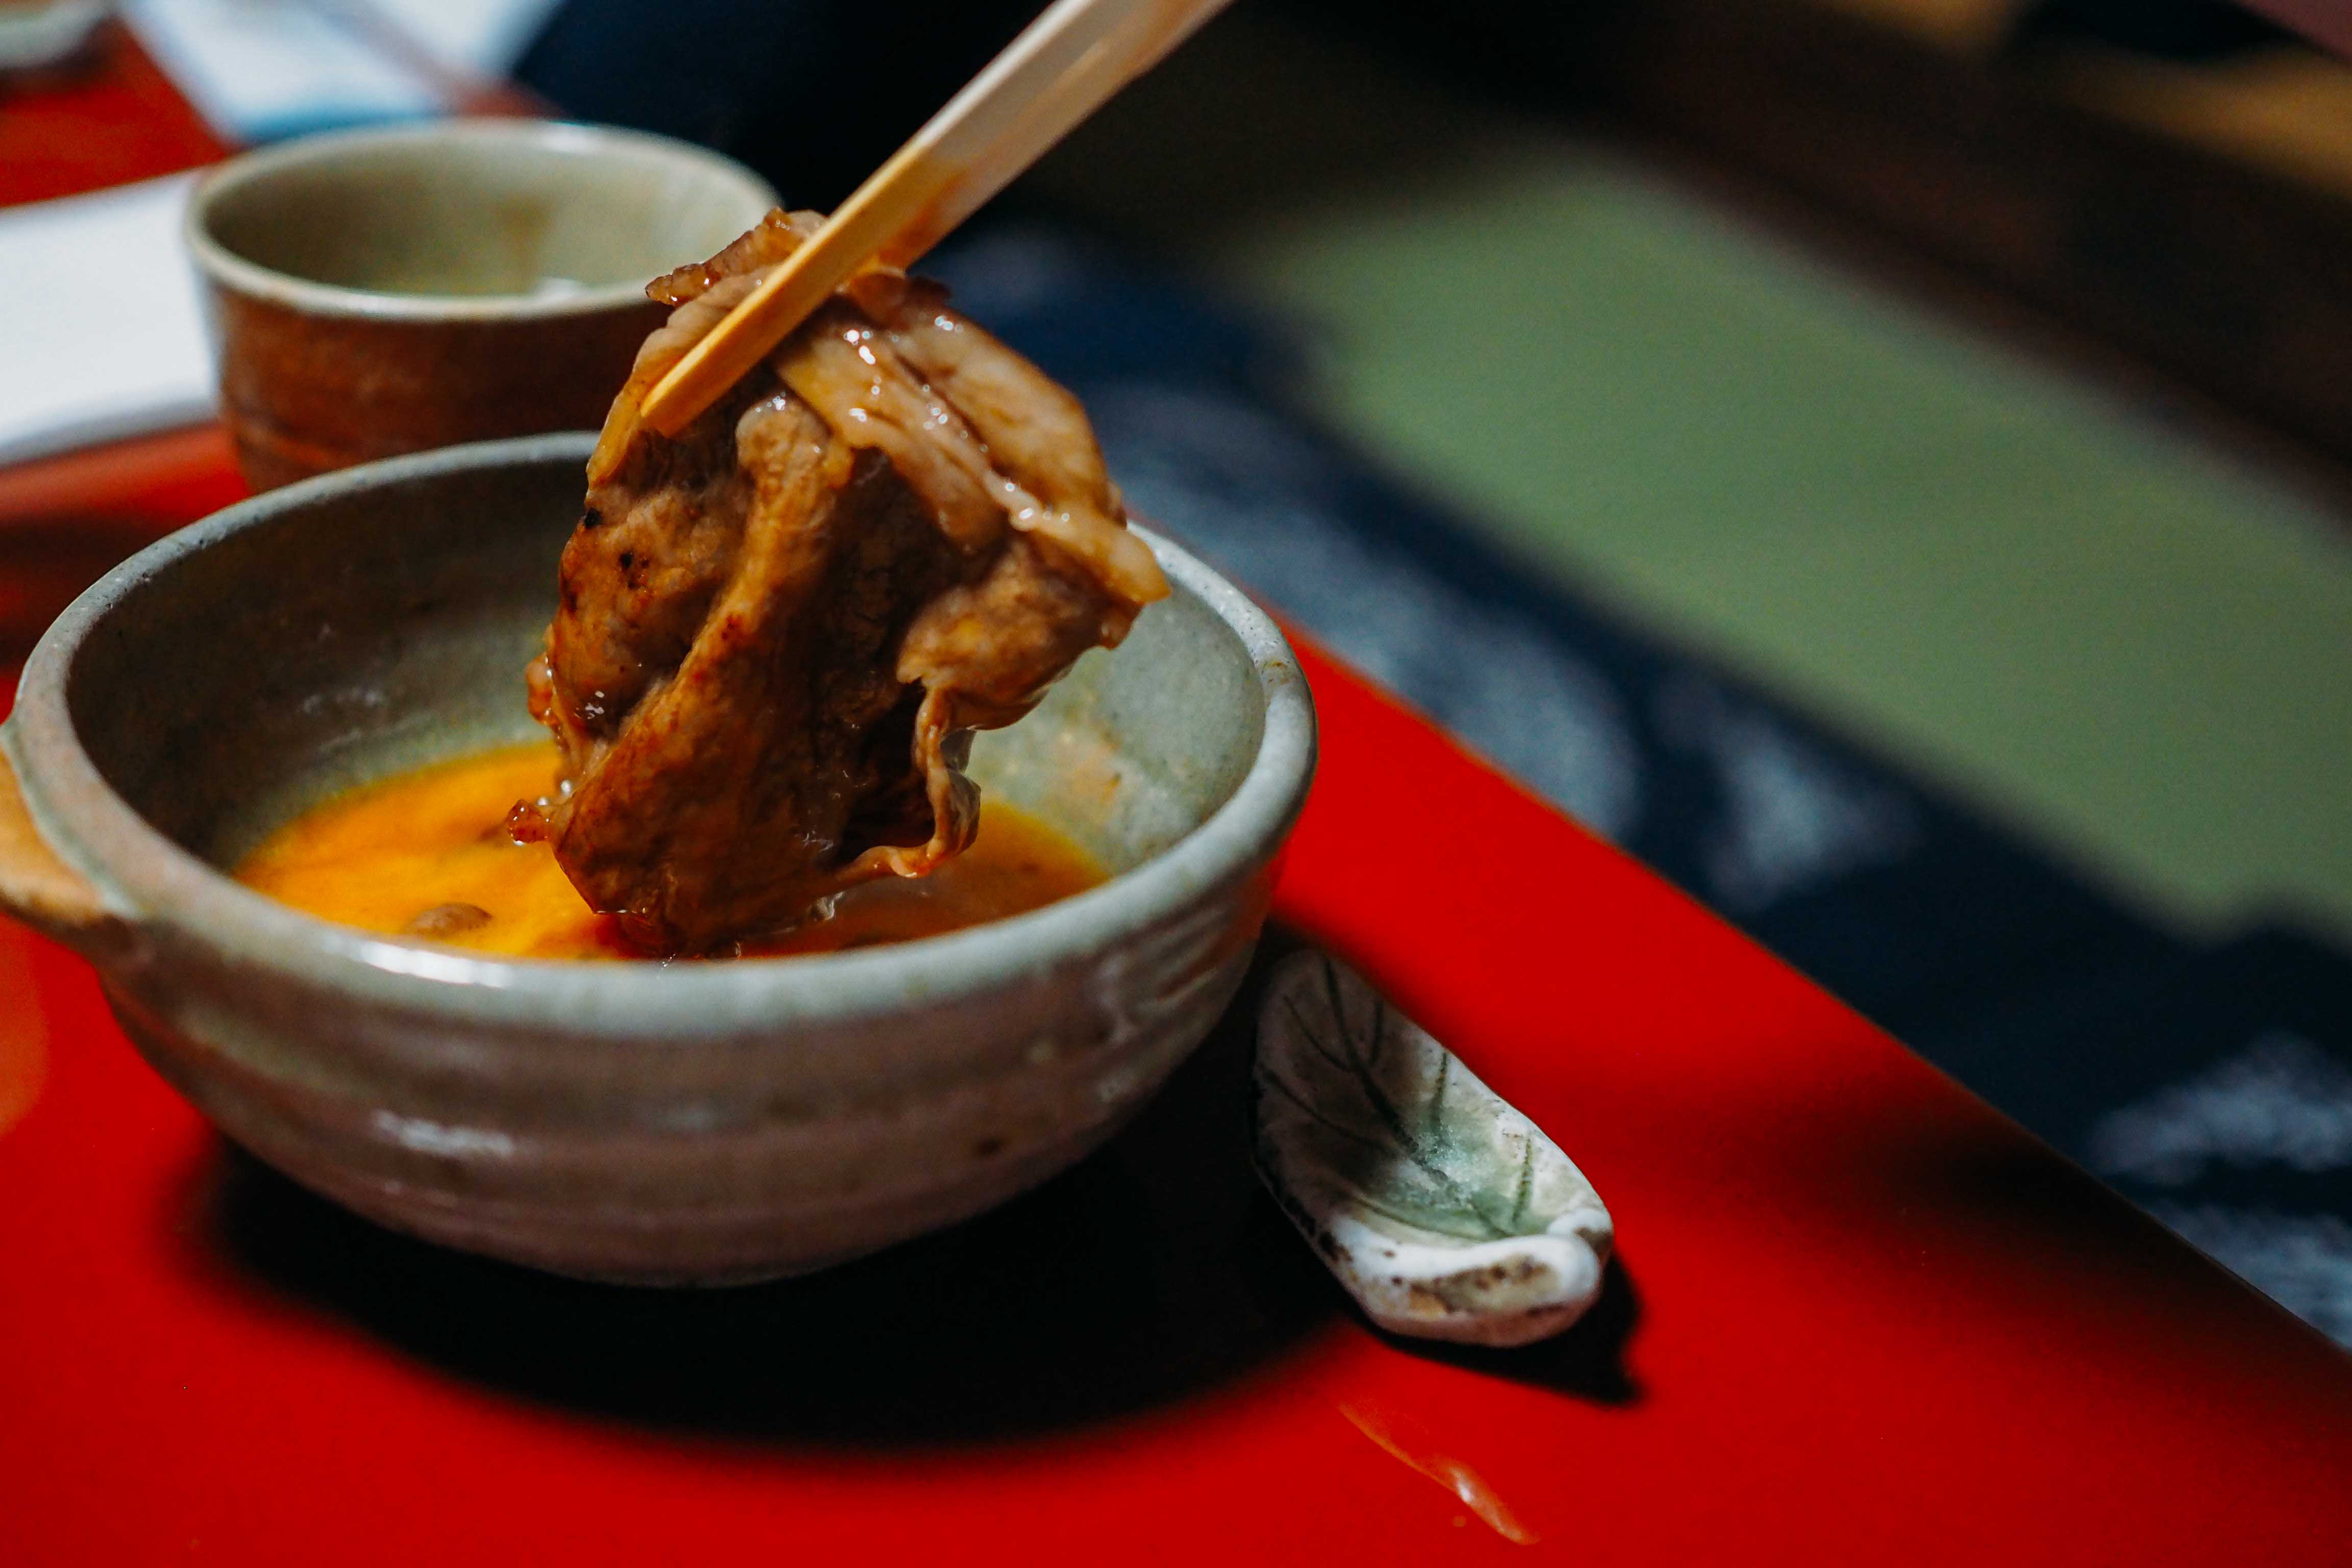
point(659, 1123)
point(1445, 1211)
point(394, 289)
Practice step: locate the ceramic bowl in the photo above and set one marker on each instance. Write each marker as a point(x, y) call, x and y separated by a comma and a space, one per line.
point(390, 290)
point(692, 1123)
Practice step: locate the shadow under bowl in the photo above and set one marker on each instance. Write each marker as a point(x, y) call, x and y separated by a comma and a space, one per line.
point(674, 1123)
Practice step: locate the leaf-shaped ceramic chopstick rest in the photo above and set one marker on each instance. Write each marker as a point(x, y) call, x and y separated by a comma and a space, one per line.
point(1443, 1210)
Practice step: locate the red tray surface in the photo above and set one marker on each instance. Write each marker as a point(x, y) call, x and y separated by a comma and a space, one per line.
point(1858, 1316)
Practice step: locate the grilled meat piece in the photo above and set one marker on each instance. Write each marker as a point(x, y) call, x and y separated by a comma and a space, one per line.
point(777, 630)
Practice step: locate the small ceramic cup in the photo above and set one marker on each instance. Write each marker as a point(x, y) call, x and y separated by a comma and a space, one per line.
point(394, 289)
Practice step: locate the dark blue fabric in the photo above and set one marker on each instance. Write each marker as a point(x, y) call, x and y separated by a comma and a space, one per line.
point(1900, 901)
point(2214, 1088)
point(812, 93)
point(2214, 1085)
point(2211, 1085)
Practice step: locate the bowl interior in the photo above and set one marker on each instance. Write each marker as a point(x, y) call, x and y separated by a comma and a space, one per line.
point(367, 626)
point(482, 210)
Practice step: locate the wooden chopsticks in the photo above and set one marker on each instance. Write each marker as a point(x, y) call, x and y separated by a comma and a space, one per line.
point(1062, 67)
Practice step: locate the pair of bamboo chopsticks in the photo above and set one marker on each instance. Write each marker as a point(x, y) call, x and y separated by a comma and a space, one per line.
point(1063, 66)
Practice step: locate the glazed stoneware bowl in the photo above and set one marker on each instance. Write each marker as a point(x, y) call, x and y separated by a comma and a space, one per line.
point(688, 1122)
point(390, 290)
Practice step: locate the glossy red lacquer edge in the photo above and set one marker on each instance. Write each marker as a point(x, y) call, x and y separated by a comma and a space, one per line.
point(1875, 1321)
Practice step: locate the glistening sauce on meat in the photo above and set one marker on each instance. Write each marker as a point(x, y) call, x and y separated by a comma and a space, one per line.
point(426, 854)
point(776, 628)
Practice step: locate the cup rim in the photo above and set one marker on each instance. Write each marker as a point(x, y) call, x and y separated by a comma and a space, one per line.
point(230, 270)
point(171, 897)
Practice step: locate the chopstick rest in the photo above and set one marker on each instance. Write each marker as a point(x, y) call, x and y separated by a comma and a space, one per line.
point(1445, 1213)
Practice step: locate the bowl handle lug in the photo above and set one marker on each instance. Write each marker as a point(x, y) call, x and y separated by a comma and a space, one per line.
point(41, 890)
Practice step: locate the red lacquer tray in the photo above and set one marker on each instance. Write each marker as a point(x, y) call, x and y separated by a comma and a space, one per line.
point(1857, 1316)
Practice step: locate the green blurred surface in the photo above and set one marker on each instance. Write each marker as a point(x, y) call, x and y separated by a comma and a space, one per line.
point(2095, 628)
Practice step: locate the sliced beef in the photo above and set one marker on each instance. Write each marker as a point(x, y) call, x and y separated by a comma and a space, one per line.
point(777, 630)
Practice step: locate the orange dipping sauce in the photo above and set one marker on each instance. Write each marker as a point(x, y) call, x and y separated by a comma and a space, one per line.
point(427, 853)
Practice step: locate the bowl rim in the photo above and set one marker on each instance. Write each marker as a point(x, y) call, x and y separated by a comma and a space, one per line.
point(231, 271)
point(171, 898)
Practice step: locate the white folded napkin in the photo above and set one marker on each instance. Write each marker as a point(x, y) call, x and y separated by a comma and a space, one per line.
point(261, 70)
point(100, 330)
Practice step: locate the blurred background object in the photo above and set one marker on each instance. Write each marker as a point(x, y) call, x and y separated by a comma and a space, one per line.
point(109, 343)
point(778, 93)
point(400, 288)
point(46, 34)
point(1885, 463)
point(261, 70)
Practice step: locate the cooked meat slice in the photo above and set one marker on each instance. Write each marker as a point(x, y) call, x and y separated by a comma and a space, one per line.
point(842, 366)
point(777, 630)
point(763, 245)
point(1038, 437)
